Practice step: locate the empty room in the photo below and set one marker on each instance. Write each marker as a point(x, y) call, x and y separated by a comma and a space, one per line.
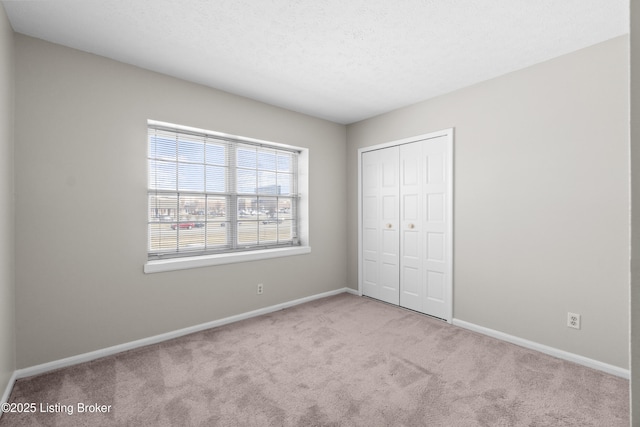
point(297, 213)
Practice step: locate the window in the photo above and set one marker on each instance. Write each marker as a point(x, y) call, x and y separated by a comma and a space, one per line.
point(210, 193)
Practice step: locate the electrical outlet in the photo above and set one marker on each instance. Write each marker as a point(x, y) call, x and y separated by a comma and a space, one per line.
point(573, 320)
point(260, 288)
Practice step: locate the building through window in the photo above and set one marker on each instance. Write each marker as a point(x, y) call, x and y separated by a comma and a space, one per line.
point(210, 193)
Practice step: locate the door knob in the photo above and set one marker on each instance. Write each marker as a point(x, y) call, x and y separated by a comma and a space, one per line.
point(389, 226)
point(411, 226)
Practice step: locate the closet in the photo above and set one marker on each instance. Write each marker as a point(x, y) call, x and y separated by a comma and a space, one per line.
point(405, 223)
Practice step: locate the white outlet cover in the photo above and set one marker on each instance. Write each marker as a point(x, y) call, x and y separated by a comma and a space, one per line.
point(573, 320)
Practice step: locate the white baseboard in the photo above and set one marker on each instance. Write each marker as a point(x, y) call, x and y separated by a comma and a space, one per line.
point(109, 351)
point(551, 351)
point(352, 291)
point(86, 357)
point(7, 390)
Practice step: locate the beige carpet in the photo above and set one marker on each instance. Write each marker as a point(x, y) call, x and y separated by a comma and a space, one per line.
point(339, 361)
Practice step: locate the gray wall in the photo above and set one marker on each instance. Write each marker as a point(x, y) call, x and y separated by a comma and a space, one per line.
point(7, 296)
point(541, 207)
point(80, 176)
point(635, 212)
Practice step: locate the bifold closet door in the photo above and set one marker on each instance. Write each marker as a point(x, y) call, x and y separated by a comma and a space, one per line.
point(380, 215)
point(411, 230)
point(406, 206)
point(425, 279)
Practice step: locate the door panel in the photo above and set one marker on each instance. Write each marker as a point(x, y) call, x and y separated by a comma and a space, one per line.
point(411, 282)
point(435, 287)
point(435, 207)
point(370, 212)
point(435, 247)
point(435, 169)
point(411, 289)
point(389, 208)
point(388, 225)
point(370, 271)
point(380, 224)
point(438, 216)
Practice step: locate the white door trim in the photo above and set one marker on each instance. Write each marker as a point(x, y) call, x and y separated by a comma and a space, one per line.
point(449, 133)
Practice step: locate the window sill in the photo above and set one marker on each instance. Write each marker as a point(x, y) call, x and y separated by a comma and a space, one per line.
point(219, 259)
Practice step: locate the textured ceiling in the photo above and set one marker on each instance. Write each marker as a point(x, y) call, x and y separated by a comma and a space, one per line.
point(341, 60)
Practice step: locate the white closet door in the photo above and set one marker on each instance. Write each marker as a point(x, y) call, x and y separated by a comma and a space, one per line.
point(380, 251)
point(437, 218)
point(412, 291)
point(406, 240)
point(425, 279)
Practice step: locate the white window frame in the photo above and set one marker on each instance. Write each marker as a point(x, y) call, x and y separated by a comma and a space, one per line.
point(188, 262)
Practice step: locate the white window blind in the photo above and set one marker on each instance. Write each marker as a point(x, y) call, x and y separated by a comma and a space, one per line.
point(210, 194)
